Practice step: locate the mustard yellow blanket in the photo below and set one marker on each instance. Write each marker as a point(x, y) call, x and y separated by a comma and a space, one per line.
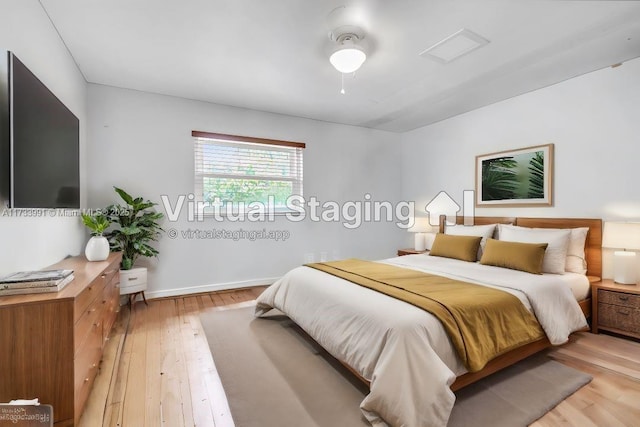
point(482, 322)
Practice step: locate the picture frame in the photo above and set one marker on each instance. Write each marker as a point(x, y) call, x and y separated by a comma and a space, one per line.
point(515, 178)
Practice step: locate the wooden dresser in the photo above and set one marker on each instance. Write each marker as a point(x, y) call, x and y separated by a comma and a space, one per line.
point(51, 344)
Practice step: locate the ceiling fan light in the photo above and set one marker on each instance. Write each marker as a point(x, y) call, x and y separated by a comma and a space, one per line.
point(347, 59)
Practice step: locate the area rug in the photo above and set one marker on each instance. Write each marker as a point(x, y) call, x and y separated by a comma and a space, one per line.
point(275, 376)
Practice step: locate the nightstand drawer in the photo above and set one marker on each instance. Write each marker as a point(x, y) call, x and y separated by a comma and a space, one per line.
point(618, 317)
point(618, 298)
point(133, 277)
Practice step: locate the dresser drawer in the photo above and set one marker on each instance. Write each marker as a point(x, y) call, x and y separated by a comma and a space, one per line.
point(86, 364)
point(88, 296)
point(619, 317)
point(90, 320)
point(618, 298)
point(111, 302)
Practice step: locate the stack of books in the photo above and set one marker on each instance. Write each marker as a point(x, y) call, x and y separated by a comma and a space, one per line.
point(35, 282)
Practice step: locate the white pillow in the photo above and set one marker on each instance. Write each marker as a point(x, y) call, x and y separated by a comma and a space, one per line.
point(496, 234)
point(484, 231)
point(576, 258)
point(555, 257)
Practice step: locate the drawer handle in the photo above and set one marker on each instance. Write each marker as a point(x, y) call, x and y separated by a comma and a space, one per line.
point(132, 278)
point(623, 313)
point(91, 310)
point(623, 298)
point(96, 324)
point(102, 276)
point(86, 380)
point(93, 365)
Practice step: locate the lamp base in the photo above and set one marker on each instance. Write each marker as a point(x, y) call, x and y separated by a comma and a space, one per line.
point(625, 270)
point(419, 242)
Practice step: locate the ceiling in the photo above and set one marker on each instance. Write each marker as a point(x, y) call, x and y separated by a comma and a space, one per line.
point(271, 55)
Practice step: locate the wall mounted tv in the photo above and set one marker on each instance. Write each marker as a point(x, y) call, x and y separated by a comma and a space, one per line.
point(39, 142)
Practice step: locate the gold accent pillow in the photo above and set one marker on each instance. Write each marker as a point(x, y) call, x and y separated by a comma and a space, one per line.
point(514, 255)
point(464, 248)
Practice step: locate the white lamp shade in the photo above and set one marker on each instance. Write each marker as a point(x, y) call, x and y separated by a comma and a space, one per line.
point(347, 59)
point(621, 235)
point(420, 225)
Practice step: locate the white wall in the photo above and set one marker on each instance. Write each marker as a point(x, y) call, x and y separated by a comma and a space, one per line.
point(28, 243)
point(142, 143)
point(593, 120)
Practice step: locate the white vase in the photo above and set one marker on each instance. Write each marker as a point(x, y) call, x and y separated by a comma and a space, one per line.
point(97, 248)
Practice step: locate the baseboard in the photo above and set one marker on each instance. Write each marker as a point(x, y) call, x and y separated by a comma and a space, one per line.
point(210, 288)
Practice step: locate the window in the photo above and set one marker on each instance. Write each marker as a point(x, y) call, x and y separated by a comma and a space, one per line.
point(239, 170)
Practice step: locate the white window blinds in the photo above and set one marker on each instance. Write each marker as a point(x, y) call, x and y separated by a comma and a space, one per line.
point(239, 170)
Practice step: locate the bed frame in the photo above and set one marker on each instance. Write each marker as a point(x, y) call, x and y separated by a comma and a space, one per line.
point(593, 255)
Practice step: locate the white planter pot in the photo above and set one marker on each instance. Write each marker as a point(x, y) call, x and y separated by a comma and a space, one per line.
point(97, 248)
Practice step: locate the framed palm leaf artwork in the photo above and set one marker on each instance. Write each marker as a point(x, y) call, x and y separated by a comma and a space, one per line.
point(522, 177)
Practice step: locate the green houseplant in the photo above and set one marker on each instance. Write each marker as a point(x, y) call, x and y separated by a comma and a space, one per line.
point(97, 248)
point(97, 223)
point(137, 227)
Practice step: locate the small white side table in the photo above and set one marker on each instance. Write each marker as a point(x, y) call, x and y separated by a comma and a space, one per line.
point(133, 282)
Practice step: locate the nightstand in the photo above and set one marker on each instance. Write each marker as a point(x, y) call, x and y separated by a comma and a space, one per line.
point(616, 308)
point(410, 251)
point(133, 282)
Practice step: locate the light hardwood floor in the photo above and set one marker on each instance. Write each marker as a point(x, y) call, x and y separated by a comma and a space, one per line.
point(158, 371)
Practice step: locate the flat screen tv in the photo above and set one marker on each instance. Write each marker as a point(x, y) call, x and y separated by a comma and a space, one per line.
point(5, 132)
point(39, 143)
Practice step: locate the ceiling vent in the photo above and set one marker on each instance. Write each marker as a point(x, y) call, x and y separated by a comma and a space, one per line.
point(454, 46)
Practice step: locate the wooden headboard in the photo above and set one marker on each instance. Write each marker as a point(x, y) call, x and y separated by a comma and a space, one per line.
point(593, 245)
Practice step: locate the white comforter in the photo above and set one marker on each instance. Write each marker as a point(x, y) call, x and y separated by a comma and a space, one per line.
point(403, 350)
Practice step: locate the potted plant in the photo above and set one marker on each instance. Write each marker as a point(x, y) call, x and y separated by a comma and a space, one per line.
point(97, 248)
point(137, 227)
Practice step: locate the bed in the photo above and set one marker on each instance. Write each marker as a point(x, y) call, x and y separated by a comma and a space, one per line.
point(403, 352)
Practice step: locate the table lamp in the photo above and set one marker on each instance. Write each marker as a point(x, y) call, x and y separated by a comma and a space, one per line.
point(625, 236)
point(420, 227)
